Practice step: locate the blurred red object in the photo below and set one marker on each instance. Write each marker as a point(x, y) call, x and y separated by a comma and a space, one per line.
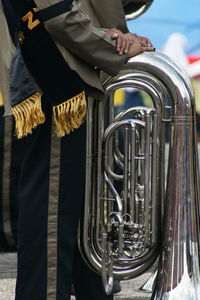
point(192, 59)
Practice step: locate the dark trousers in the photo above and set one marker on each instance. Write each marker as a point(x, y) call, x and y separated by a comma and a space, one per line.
point(10, 164)
point(51, 192)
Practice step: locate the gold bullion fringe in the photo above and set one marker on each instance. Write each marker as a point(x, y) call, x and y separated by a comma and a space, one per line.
point(28, 114)
point(1, 98)
point(70, 114)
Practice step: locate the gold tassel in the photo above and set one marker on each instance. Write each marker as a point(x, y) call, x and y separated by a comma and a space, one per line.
point(28, 114)
point(70, 114)
point(1, 98)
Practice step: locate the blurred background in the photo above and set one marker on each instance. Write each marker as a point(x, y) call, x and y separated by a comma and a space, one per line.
point(166, 17)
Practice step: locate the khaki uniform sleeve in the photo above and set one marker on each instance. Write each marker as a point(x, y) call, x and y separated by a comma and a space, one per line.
point(74, 30)
point(7, 50)
point(110, 14)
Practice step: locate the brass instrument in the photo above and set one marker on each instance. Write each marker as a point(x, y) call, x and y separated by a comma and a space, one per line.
point(134, 8)
point(122, 233)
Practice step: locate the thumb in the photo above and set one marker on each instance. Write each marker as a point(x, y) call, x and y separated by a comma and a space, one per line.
point(114, 35)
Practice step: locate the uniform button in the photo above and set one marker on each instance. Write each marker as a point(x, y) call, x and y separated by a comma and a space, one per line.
point(21, 37)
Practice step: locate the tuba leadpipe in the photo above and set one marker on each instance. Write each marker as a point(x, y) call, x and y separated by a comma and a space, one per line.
point(121, 234)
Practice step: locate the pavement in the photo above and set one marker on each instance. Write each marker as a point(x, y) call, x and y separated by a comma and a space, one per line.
point(130, 288)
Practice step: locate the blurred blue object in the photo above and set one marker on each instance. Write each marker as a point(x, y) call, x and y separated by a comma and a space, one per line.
point(165, 17)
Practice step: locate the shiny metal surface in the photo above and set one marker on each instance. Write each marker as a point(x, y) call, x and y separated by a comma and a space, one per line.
point(121, 235)
point(135, 8)
point(178, 276)
point(148, 286)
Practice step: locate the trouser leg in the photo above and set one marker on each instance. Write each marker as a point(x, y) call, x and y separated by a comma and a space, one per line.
point(50, 195)
point(87, 284)
point(33, 215)
point(10, 160)
point(71, 196)
point(17, 155)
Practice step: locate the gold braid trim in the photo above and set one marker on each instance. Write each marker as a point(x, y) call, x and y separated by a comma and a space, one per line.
point(1, 98)
point(28, 114)
point(70, 114)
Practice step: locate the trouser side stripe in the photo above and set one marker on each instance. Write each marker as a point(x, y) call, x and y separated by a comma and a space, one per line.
point(8, 122)
point(53, 218)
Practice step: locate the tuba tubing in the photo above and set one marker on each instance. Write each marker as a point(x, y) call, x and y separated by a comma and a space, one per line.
point(178, 243)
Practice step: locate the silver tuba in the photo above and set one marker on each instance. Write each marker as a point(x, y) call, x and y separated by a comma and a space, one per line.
point(135, 8)
point(131, 216)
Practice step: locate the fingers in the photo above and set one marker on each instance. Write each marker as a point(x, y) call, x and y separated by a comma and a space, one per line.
point(122, 41)
point(135, 48)
point(113, 33)
point(123, 44)
point(130, 43)
point(145, 42)
point(130, 37)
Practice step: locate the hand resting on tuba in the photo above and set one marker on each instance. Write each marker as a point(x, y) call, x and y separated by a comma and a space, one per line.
point(130, 43)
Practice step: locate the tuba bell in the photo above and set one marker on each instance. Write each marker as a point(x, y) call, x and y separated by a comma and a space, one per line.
point(126, 196)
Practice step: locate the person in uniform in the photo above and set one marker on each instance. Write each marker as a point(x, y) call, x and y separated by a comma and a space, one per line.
point(47, 85)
